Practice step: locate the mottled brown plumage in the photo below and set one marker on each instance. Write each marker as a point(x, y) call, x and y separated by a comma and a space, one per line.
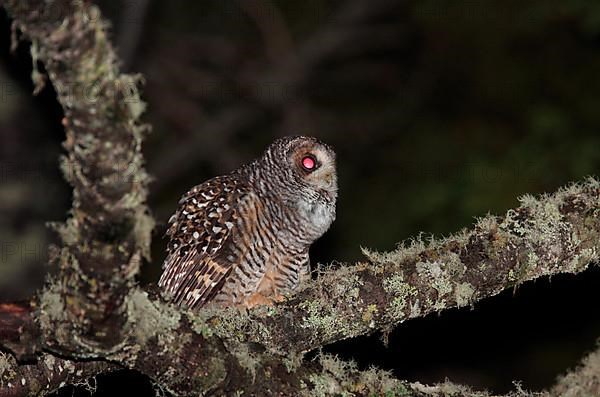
point(243, 238)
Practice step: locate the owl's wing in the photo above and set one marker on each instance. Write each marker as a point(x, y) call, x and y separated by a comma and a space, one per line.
point(196, 266)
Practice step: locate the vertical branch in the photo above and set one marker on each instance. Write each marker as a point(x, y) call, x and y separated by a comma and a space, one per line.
point(108, 231)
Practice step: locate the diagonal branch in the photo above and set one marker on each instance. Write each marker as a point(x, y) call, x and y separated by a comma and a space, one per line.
point(92, 312)
point(553, 234)
point(558, 233)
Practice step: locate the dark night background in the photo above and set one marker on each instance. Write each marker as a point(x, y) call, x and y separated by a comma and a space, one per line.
point(440, 111)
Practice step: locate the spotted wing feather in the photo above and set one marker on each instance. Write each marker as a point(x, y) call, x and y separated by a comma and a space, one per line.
point(195, 269)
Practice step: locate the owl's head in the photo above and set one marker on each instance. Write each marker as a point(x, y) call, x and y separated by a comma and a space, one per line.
point(305, 169)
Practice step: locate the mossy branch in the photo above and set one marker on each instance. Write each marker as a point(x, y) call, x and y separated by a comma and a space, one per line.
point(92, 310)
point(46, 375)
point(584, 381)
point(108, 232)
point(552, 234)
point(325, 376)
point(228, 350)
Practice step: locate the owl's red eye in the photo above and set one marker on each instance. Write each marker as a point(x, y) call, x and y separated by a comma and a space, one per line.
point(309, 163)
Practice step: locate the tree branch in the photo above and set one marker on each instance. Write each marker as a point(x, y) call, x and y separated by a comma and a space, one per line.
point(46, 376)
point(218, 349)
point(584, 381)
point(553, 234)
point(92, 312)
point(109, 229)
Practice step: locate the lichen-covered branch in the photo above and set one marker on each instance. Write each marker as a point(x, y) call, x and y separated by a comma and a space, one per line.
point(324, 376)
point(108, 232)
point(584, 381)
point(91, 313)
point(46, 375)
point(549, 235)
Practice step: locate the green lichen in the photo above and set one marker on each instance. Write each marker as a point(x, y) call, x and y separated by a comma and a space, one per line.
point(148, 321)
point(231, 324)
point(437, 276)
point(49, 360)
point(405, 250)
point(52, 305)
point(401, 293)
point(342, 378)
point(463, 293)
point(210, 374)
point(52, 311)
point(292, 361)
point(397, 391)
point(415, 309)
point(326, 321)
point(547, 234)
point(488, 222)
point(449, 389)
point(394, 283)
point(200, 326)
point(323, 386)
point(331, 380)
point(368, 314)
point(7, 368)
point(246, 359)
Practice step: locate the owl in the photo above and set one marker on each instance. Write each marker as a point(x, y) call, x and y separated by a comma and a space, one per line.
point(242, 239)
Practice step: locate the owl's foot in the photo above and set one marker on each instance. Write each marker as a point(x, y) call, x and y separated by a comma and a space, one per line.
point(278, 298)
point(258, 299)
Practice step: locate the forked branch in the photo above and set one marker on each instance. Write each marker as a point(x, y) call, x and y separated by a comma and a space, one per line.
point(95, 319)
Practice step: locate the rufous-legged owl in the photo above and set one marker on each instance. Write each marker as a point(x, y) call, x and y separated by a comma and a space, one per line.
point(242, 239)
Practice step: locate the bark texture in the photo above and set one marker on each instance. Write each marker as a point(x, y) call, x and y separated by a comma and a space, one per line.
point(108, 232)
point(93, 316)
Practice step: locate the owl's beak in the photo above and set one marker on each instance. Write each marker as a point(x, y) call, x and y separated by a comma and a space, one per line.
point(329, 186)
point(329, 179)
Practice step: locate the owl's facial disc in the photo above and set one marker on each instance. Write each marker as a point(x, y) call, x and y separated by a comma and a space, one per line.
point(315, 164)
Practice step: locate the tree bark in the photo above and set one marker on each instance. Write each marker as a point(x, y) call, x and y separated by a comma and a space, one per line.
point(94, 317)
